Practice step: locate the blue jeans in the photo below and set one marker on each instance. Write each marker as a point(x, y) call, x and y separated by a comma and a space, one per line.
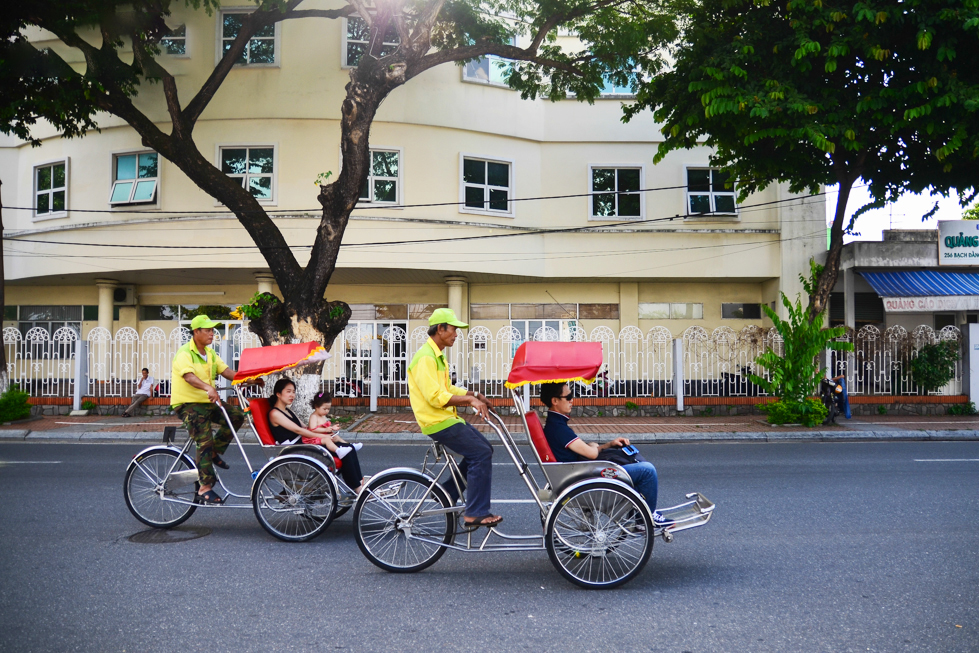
point(645, 481)
point(476, 466)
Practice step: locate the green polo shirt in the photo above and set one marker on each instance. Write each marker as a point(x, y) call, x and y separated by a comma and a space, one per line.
point(188, 359)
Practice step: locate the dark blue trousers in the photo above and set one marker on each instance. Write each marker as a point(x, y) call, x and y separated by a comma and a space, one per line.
point(476, 466)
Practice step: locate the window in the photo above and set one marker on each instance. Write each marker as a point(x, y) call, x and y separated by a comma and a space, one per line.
point(49, 318)
point(356, 39)
point(261, 49)
point(544, 311)
point(382, 185)
point(611, 89)
point(486, 186)
point(664, 311)
point(135, 179)
point(423, 311)
point(615, 192)
point(490, 69)
point(254, 166)
point(528, 328)
point(158, 313)
point(741, 311)
point(176, 42)
point(51, 189)
point(707, 192)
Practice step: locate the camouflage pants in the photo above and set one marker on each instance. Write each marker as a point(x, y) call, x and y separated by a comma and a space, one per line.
point(197, 420)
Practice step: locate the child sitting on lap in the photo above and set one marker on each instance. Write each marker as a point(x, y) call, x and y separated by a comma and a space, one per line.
point(319, 422)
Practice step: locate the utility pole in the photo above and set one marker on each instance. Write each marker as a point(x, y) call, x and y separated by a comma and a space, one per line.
point(3, 305)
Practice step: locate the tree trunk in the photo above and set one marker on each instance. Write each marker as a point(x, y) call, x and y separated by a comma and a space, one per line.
point(846, 176)
point(3, 305)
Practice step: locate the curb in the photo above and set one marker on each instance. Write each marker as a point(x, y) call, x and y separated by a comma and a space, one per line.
point(58, 436)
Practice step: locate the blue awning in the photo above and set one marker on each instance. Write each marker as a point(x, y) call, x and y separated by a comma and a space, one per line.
point(923, 283)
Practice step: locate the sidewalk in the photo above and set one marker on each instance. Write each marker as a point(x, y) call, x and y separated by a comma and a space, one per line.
point(401, 428)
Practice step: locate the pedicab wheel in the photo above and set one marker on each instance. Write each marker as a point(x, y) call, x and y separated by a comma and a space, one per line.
point(294, 499)
point(153, 500)
point(599, 535)
point(382, 521)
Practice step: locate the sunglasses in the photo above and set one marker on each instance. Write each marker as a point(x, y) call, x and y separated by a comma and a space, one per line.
point(569, 396)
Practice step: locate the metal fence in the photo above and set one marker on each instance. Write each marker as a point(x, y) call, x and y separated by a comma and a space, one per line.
point(637, 364)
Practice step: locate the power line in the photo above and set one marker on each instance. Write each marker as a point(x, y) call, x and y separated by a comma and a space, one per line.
point(535, 232)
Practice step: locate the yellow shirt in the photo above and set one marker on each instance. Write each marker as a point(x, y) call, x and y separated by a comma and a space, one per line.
point(429, 389)
point(188, 359)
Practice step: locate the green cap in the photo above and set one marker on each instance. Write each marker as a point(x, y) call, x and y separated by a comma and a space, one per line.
point(203, 322)
point(446, 316)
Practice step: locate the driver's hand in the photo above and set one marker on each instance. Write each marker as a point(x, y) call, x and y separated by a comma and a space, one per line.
point(213, 396)
point(481, 408)
point(260, 382)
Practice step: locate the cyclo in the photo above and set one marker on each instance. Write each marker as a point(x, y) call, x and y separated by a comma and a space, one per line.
point(295, 495)
point(596, 528)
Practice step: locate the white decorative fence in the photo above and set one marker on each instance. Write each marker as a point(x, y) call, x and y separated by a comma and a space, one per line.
point(637, 364)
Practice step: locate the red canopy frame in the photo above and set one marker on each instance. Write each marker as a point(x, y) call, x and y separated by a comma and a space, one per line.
point(555, 362)
point(260, 361)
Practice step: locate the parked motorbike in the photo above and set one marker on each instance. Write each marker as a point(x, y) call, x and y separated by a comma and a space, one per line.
point(833, 395)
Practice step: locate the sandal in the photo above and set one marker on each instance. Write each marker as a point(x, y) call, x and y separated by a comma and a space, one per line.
point(217, 460)
point(210, 498)
point(489, 521)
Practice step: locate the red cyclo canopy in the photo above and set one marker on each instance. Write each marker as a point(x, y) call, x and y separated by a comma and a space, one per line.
point(259, 361)
point(555, 362)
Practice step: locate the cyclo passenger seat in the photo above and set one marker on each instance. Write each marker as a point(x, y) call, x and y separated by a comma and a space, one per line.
point(537, 437)
point(259, 410)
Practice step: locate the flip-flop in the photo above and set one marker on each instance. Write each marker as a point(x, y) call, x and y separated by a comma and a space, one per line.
point(217, 460)
point(210, 498)
point(489, 521)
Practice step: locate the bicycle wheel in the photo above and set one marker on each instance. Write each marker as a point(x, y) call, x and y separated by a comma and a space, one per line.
point(294, 499)
point(599, 535)
point(382, 521)
point(154, 498)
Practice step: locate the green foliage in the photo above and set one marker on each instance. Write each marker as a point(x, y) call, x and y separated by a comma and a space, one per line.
point(630, 405)
point(817, 92)
point(881, 410)
point(794, 376)
point(809, 412)
point(14, 405)
point(707, 412)
point(256, 306)
point(971, 213)
point(934, 366)
point(967, 408)
point(322, 178)
point(88, 404)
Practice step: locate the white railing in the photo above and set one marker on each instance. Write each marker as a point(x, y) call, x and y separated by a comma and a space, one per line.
point(637, 364)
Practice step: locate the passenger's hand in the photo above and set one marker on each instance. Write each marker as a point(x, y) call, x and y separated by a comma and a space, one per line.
point(212, 395)
point(260, 382)
point(619, 442)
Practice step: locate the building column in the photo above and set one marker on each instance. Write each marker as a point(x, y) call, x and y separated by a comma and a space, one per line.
point(628, 305)
point(849, 299)
point(106, 288)
point(265, 281)
point(458, 291)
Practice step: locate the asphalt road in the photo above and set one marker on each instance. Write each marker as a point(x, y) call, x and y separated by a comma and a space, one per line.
point(814, 547)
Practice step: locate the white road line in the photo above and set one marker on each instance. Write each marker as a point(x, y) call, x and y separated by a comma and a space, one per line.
point(30, 462)
point(946, 460)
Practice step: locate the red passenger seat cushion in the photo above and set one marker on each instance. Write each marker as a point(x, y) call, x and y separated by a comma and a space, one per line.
point(259, 409)
point(537, 437)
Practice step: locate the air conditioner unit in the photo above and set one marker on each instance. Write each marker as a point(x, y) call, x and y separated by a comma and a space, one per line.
point(124, 296)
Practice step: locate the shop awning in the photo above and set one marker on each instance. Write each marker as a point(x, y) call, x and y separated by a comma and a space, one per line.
point(925, 290)
point(923, 283)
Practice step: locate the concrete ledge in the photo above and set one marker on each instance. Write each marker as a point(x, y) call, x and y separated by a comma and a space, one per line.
point(16, 435)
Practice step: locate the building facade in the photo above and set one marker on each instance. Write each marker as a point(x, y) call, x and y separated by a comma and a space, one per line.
point(100, 231)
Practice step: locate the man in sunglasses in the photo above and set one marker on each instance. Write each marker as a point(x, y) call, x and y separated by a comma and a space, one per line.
point(567, 447)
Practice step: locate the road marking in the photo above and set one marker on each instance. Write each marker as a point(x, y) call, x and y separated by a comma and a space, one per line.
point(946, 460)
point(513, 501)
point(30, 462)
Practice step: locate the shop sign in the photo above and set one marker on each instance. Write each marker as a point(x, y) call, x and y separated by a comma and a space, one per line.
point(958, 242)
point(930, 304)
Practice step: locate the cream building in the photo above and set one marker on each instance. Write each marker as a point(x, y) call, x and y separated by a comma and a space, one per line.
point(452, 148)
